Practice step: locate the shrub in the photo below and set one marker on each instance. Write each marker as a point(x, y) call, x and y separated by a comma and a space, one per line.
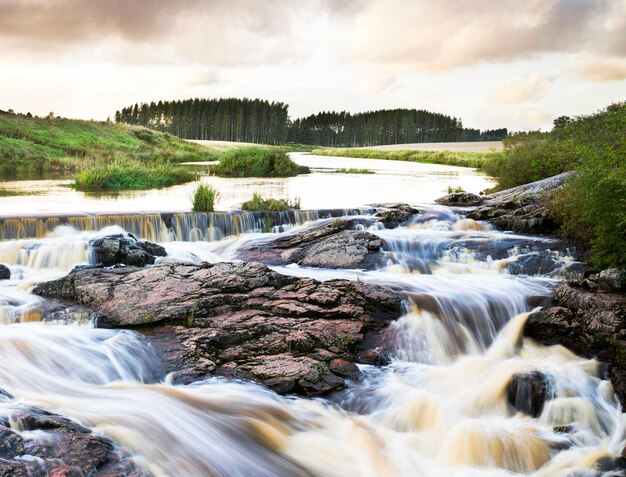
point(260, 204)
point(129, 176)
point(257, 162)
point(204, 198)
point(455, 190)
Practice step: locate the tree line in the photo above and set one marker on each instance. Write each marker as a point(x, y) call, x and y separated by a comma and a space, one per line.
point(260, 121)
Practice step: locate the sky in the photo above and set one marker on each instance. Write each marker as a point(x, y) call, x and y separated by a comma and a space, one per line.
point(493, 63)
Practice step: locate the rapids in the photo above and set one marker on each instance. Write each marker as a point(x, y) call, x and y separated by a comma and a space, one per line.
point(439, 408)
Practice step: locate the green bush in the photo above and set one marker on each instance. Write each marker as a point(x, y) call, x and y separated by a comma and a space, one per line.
point(204, 198)
point(259, 204)
point(257, 162)
point(120, 176)
point(591, 207)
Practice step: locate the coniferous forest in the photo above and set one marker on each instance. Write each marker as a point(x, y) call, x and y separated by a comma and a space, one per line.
point(260, 121)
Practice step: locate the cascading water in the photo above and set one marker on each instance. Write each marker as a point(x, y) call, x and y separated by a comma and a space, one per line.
point(439, 407)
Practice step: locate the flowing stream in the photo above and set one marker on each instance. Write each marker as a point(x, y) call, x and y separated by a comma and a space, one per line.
point(438, 409)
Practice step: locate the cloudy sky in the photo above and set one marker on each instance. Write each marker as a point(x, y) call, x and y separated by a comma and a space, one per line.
point(493, 63)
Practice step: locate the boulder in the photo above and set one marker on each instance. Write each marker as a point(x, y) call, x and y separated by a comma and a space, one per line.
point(395, 215)
point(124, 249)
point(612, 279)
point(239, 319)
point(54, 445)
point(332, 245)
point(522, 209)
point(527, 392)
point(5, 273)
point(590, 322)
point(460, 199)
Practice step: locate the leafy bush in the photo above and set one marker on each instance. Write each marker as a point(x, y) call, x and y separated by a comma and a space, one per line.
point(257, 162)
point(204, 198)
point(259, 204)
point(128, 176)
point(591, 208)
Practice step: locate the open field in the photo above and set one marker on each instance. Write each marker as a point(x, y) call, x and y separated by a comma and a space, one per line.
point(478, 146)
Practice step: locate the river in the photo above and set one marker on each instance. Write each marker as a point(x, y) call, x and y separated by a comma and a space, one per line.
point(438, 409)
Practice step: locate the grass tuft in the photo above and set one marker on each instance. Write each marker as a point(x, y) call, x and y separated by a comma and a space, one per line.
point(257, 162)
point(260, 204)
point(204, 198)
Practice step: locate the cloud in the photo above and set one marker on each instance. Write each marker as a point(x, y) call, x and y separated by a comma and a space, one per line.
point(203, 77)
point(610, 69)
point(377, 83)
point(439, 35)
point(520, 90)
point(531, 117)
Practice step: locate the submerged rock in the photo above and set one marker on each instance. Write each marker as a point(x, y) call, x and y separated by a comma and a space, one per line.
point(239, 319)
point(334, 245)
point(54, 445)
point(460, 199)
point(589, 321)
point(124, 249)
point(5, 272)
point(522, 209)
point(527, 392)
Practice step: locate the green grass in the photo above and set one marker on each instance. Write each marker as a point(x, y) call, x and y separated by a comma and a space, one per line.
point(352, 170)
point(450, 158)
point(259, 204)
point(204, 198)
point(257, 162)
point(455, 190)
point(130, 176)
point(591, 208)
point(30, 146)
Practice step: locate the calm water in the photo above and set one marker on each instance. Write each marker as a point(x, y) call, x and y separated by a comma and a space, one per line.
point(392, 181)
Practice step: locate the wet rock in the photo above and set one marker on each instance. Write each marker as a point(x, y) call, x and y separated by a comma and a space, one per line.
point(527, 392)
point(612, 279)
point(124, 249)
point(460, 199)
point(522, 209)
point(332, 245)
point(234, 319)
point(395, 215)
point(57, 447)
point(590, 322)
point(5, 273)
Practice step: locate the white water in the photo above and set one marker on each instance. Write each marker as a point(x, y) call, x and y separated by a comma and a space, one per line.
point(438, 409)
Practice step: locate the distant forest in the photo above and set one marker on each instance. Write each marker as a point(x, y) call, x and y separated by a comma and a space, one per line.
point(260, 121)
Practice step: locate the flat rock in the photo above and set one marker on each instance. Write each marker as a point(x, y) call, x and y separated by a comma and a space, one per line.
point(234, 319)
point(522, 209)
point(395, 215)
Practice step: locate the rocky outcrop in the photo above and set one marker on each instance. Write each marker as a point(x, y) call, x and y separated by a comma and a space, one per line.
point(36, 443)
point(332, 245)
point(460, 199)
point(5, 272)
point(240, 319)
point(394, 215)
point(522, 209)
point(589, 321)
point(527, 392)
point(125, 249)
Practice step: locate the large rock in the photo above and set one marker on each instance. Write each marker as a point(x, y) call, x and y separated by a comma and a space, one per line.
point(5, 273)
point(590, 322)
point(527, 392)
point(395, 215)
point(460, 199)
point(124, 249)
point(522, 209)
point(36, 443)
point(239, 319)
point(332, 245)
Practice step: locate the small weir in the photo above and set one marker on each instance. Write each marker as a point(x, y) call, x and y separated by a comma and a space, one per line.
point(170, 226)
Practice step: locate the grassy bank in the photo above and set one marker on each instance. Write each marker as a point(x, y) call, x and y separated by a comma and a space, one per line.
point(96, 151)
point(449, 158)
point(591, 208)
point(257, 162)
